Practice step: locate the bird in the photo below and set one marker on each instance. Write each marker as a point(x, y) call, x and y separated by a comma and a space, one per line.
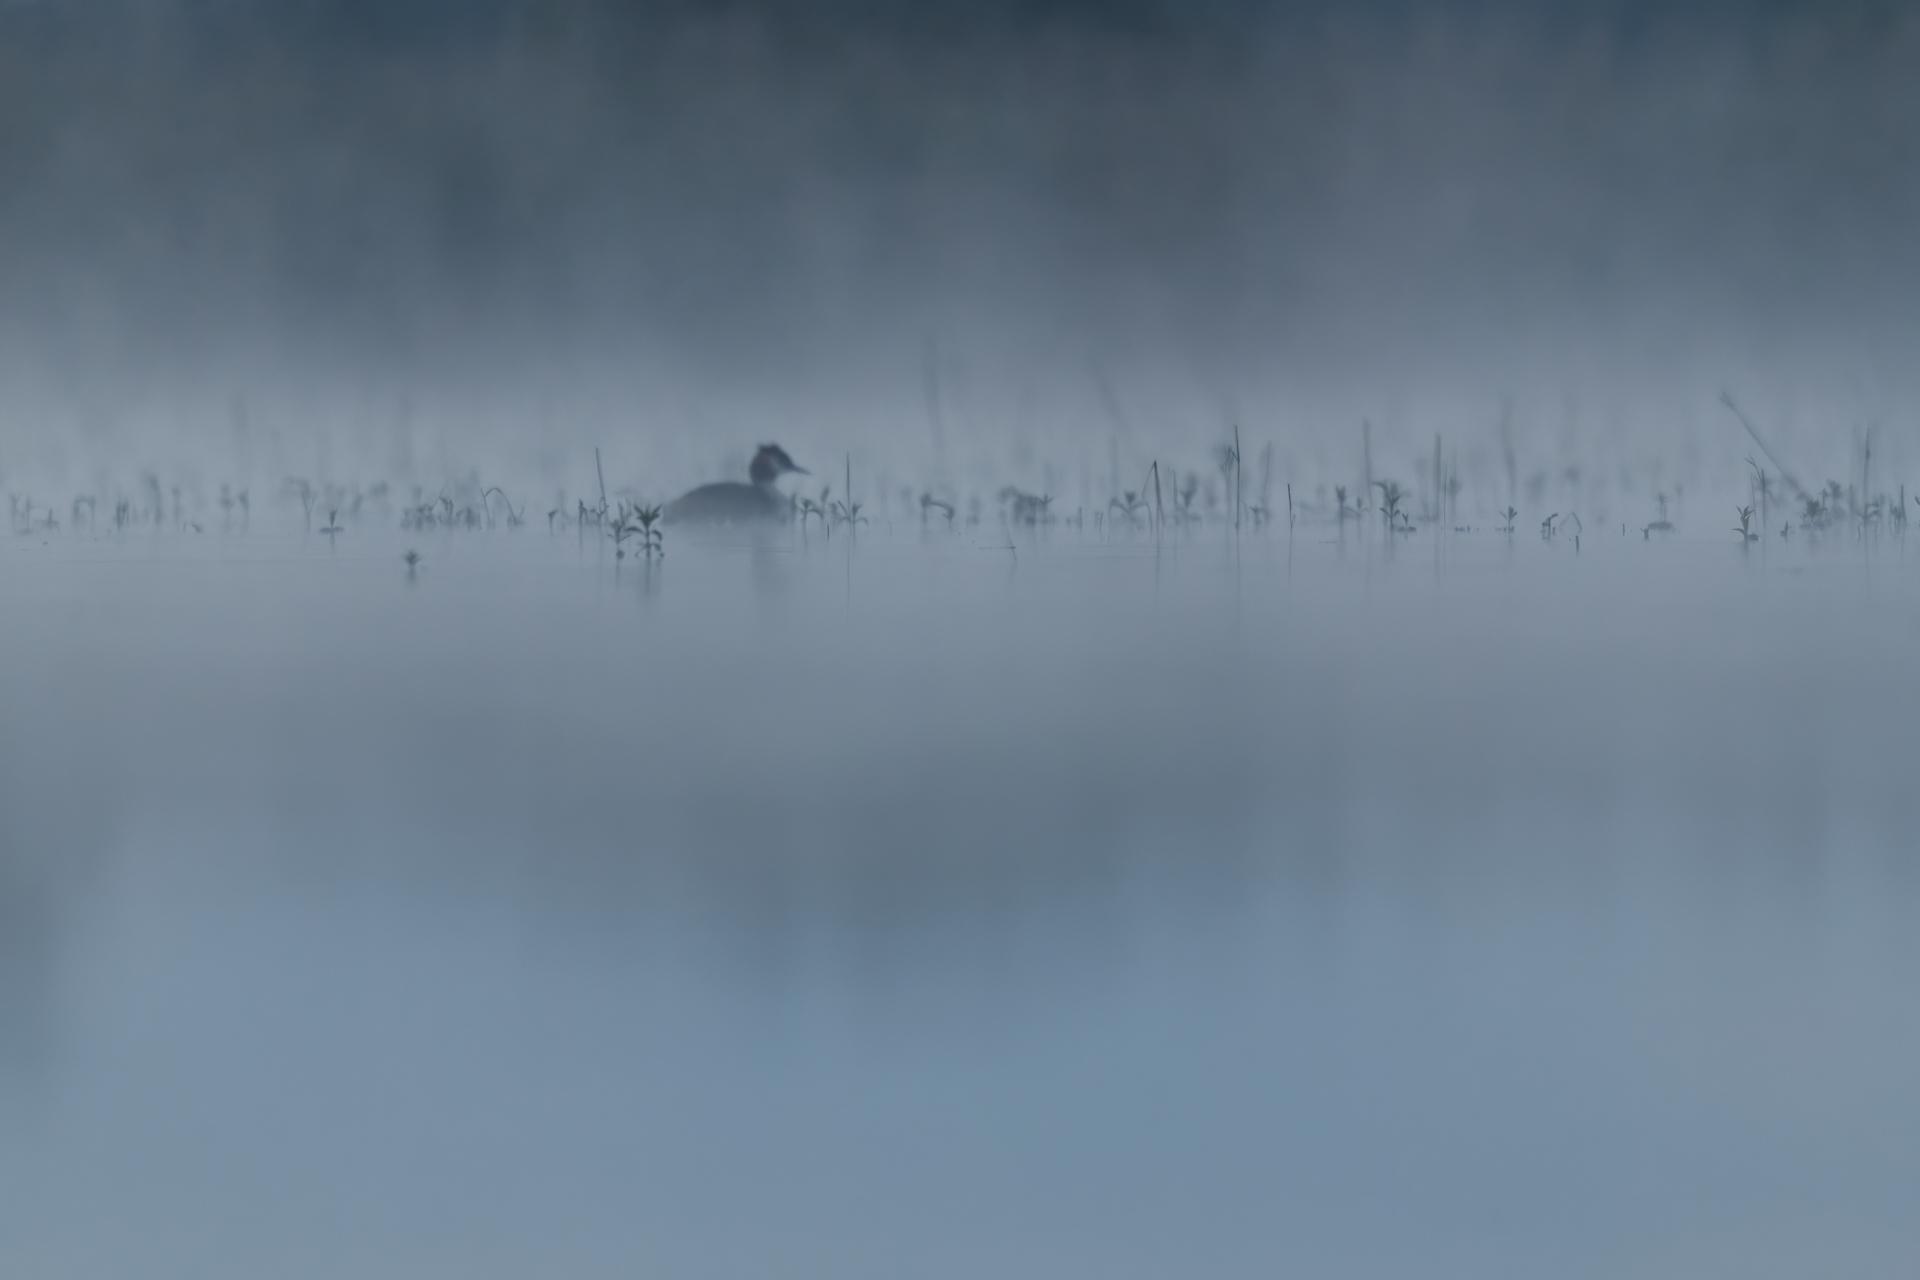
point(730, 502)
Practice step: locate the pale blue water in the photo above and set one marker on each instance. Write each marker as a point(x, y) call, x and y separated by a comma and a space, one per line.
point(937, 910)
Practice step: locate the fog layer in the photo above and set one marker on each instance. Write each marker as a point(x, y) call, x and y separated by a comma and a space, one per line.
point(700, 225)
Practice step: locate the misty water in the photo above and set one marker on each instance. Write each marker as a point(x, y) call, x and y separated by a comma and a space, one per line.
point(916, 905)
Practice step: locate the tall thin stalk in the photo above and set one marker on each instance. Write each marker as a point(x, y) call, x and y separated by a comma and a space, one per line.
point(1366, 468)
point(1239, 471)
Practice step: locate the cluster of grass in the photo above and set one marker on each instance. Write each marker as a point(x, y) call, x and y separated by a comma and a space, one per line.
point(634, 521)
point(1168, 501)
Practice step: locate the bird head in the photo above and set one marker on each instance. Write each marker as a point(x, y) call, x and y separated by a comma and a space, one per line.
point(772, 462)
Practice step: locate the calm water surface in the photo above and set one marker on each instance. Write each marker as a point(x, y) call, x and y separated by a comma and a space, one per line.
point(933, 909)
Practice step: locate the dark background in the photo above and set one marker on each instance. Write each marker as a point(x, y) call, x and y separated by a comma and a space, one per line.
point(1229, 201)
